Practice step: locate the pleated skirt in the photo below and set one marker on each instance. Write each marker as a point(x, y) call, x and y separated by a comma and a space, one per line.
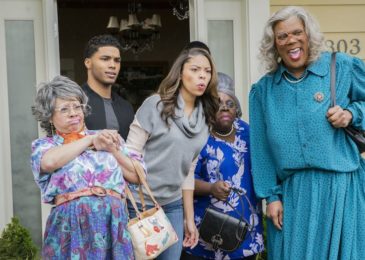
point(324, 217)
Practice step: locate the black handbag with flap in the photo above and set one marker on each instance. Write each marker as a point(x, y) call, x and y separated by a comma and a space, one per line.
point(222, 230)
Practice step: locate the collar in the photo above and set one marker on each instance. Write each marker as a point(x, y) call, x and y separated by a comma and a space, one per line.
point(62, 139)
point(87, 87)
point(320, 67)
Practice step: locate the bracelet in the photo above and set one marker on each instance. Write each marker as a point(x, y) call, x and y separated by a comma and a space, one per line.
point(125, 151)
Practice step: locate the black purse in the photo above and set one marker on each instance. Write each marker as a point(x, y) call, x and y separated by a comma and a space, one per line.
point(223, 231)
point(356, 135)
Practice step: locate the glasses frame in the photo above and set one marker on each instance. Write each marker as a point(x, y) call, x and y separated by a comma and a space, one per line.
point(230, 104)
point(66, 110)
point(283, 37)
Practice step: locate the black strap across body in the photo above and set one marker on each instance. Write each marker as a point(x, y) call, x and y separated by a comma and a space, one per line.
point(356, 135)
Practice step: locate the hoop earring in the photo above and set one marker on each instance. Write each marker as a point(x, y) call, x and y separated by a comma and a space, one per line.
point(52, 128)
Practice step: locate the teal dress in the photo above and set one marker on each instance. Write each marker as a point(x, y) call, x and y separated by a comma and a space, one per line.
point(312, 167)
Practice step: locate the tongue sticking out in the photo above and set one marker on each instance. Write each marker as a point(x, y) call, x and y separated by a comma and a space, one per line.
point(295, 54)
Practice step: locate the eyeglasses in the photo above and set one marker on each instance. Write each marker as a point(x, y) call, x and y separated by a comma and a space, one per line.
point(228, 104)
point(283, 37)
point(66, 110)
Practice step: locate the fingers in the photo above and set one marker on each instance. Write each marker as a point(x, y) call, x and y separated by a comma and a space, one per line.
point(339, 117)
point(220, 190)
point(110, 136)
point(191, 236)
point(274, 211)
point(107, 140)
point(276, 222)
point(280, 219)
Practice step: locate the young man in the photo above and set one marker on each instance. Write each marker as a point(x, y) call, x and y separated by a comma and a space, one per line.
point(108, 109)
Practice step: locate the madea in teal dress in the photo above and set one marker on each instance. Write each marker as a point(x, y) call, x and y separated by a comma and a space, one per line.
point(221, 160)
point(313, 168)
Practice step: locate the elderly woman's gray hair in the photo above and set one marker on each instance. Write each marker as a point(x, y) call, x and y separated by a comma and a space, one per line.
point(60, 87)
point(226, 86)
point(268, 53)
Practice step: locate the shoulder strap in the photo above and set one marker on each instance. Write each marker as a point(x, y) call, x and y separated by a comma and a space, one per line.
point(140, 172)
point(333, 79)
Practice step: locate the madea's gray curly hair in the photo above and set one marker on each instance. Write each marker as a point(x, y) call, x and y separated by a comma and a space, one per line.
point(269, 56)
point(59, 87)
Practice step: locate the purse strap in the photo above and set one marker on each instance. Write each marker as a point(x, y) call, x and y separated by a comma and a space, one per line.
point(240, 193)
point(333, 79)
point(140, 173)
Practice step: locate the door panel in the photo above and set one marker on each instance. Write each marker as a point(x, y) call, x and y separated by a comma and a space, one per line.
point(22, 60)
point(232, 29)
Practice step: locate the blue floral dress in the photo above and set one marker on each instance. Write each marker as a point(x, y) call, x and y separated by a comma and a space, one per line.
point(221, 160)
point(88, 227)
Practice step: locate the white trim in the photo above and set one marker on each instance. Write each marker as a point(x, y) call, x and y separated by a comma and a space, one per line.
point(258, 14)
point(52, 61)
point(198, 27)
point(51, 38)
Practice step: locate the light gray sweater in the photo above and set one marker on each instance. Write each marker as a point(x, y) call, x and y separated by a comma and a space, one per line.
point(169, 151)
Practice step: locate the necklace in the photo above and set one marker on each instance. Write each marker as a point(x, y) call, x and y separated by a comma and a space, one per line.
point(225, 135)
point(294, 81)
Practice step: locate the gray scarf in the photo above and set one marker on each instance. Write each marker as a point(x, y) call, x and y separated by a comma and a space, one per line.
point(192, 125)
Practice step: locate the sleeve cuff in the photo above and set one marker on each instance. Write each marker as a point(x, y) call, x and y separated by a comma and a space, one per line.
point(354, 113)
point(275, 194)
point(272, 198)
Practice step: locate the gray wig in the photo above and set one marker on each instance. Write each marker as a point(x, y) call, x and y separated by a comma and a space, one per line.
point(59, 87)
point(268, 54)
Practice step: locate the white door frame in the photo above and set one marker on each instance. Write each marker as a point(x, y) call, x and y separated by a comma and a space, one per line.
point(52, 61)
point(47, 50)
point(254, 14)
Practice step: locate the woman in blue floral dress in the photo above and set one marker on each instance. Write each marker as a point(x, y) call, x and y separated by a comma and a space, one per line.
point(81, 173)
point(224, 163)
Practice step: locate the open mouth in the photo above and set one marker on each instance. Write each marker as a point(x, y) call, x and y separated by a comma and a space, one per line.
point(294, 54)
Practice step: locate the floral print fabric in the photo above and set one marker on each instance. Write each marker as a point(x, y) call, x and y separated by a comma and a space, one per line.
point(88, 227)
point(230, 162)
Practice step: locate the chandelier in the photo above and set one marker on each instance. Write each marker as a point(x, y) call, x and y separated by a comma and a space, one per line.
point(180, 8)
point(133, 34)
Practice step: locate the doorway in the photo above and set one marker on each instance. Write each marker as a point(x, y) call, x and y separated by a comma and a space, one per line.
point(140, 73)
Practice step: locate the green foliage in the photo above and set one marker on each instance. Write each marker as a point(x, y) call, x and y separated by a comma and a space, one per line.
point(263, 255)
point(16, 242)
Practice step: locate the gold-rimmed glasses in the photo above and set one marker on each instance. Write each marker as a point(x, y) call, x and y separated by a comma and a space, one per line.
point(283, 37)
point(66, 110)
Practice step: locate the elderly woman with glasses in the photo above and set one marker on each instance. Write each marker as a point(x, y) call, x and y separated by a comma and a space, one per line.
point(223, 165)
point(303, 163)
point(82, 173)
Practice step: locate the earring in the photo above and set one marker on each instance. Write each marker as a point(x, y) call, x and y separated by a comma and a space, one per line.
point(52, 128)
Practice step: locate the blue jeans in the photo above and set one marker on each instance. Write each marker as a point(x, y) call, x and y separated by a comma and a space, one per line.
point(175, 213)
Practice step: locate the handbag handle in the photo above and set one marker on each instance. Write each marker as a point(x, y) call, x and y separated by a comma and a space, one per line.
point(140, 173)
point(333, 79)
point(239, 192)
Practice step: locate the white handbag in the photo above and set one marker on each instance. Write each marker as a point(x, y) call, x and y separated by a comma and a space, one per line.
point(151, 230)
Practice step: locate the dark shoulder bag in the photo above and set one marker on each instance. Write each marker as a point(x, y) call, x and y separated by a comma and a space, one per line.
point(356, 135)
point(223, 231)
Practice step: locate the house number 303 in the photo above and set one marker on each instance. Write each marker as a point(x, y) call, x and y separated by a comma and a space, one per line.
point(349, 46)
